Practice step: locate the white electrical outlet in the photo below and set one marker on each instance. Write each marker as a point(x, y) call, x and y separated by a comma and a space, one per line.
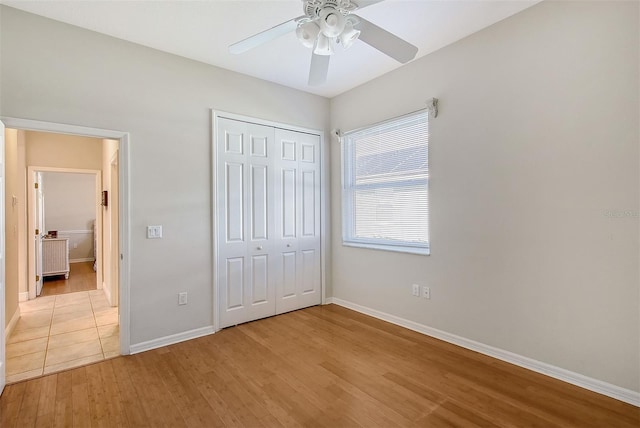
point(182, 298)
point(415, 290)
point(426, 292)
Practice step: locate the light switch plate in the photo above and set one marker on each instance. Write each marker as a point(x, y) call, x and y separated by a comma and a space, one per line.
point(154, 232)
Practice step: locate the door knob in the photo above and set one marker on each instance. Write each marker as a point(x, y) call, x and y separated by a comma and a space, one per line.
point(260, 248)
point(288, 245)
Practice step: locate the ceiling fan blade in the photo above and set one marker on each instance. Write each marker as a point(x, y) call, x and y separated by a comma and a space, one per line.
point(365, 3)
point(319, 69)
point(264, 36)
point(386, 42)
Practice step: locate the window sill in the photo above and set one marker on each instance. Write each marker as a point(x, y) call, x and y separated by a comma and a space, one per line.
point(393, 248)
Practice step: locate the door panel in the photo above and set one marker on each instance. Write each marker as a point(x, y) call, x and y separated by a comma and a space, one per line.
point(260, 279)
point(259, 192)
point(234, 196)
point(298, 219)
point(309, 271)
point(244, 179)
point(235, 279)
point(288, 275)
point(309, 219)
point(288, 203)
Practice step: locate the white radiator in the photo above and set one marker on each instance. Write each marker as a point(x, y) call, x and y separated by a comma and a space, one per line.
point(55, 257)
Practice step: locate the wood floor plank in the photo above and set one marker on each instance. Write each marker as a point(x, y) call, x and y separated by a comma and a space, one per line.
point(28, 413)
point(64, 403)
point(319, 367)
point(80, 398)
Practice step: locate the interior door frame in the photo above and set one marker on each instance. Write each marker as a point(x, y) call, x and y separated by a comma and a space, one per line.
point(123, 204)
point(324, 208)
point(31, 214)
point(3, 358)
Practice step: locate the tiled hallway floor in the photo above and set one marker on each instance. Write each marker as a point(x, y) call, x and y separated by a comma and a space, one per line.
point(56, 333)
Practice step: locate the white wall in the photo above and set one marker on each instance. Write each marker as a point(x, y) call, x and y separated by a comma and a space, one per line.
point(536, 142)
point(70, 209)
point(59, 73)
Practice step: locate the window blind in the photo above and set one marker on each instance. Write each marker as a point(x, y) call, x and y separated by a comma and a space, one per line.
point(386, 185)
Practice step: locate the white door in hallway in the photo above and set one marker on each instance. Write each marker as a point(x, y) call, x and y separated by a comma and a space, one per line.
point(268, 221)
point(39, 233)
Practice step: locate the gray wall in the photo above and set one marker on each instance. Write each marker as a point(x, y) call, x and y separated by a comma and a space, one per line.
point(56, 72)
point(536, 142)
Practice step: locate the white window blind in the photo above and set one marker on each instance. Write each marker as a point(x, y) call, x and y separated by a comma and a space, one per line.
point(386, 185)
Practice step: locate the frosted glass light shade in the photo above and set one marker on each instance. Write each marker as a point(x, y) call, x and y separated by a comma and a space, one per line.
point(307, 33)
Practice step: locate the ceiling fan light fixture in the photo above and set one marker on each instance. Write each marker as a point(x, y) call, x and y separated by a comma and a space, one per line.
point(349, 35)
point(324, 45)
point(307, 33)
point(331, 22)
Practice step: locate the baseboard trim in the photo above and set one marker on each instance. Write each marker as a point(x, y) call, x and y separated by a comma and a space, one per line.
point(12, 323)
point(85, 259)
point(595, 385)
point(170, 340)
point(23, 297)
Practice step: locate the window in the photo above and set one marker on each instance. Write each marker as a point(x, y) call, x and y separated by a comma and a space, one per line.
point(386, 185)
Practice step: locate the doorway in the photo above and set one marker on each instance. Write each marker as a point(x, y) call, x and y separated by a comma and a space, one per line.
point(119, 234)
point(64, 209)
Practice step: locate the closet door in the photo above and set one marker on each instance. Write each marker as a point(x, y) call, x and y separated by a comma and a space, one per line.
point(297, 220)
point(245, 184)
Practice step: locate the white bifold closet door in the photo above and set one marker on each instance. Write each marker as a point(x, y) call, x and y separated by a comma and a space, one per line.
point(268, 203)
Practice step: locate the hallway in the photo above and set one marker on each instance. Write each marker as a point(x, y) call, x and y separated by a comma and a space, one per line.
point(62, 331)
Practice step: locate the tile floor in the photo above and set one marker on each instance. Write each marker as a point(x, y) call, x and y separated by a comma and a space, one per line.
point(56, 333)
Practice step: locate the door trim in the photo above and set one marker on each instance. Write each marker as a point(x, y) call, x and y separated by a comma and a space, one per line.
point(324, 208)
point(124, 205)
point(31, 171)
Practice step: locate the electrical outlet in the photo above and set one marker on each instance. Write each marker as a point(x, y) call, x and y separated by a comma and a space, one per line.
point(415, 290)
point(182, 298)
point(426, 292)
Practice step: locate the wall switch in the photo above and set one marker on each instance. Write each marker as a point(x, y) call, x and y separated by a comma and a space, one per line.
point(154, 232)
point(426, 292)
point(75, 245)
point(415, 290)
point(182, 298)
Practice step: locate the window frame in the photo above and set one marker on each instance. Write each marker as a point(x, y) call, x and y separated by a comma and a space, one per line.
point(348, 215)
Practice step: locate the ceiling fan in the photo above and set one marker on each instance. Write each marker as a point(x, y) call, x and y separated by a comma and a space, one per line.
point(325, 24)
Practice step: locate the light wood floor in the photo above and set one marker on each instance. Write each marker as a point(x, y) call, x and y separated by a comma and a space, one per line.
point(322, 366)
point(82, 277)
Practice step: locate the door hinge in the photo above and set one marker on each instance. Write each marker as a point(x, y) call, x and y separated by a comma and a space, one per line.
point(37, 231)
point(37, 278)
point(36, 185)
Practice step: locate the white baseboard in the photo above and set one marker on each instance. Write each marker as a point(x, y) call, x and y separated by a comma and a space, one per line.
point(595, 385)
point(170, 340)
point(12, 323)
point(23, 297)
point(85, 259)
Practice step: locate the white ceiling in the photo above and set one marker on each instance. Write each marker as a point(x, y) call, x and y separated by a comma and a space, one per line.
point(203, 30)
